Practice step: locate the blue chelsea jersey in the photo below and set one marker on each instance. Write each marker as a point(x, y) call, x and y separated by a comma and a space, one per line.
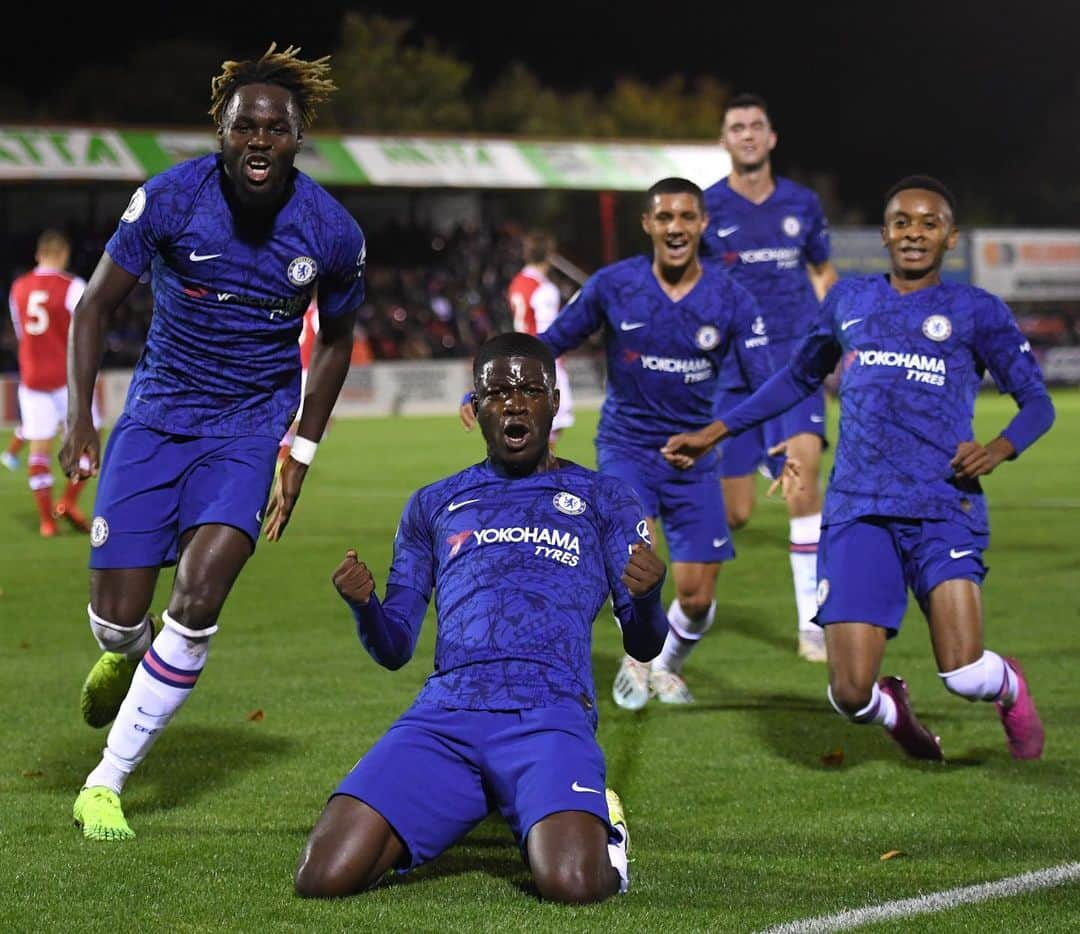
point(912, 366)
point(520, 567)
point(663, 356)
point(222, 357)
point(767, 247)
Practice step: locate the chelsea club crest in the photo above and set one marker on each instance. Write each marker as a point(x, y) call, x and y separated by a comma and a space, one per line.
point(568, 504)
point(707, 337)
point(302, 270)
point(937, 327)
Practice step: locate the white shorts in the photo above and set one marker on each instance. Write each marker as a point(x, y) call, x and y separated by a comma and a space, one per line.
point(564, 418)
point(42, 412)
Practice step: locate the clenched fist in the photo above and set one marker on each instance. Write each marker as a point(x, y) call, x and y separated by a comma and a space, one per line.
point(353, 580)
point(643, 570)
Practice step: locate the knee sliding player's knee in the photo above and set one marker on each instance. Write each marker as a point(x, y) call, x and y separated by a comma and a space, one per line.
point(573, 883)
point(973, 682)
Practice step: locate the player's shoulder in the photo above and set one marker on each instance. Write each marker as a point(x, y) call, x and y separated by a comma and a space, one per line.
point(593, 486)
point(330, 208)
point(718, 190)
point(433, 496)
point(188, 175)
point(789, 190)
point(631, 268)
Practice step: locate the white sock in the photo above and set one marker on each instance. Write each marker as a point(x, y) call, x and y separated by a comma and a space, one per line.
point(683, 634)
point(131, 642)
point(805, 534)
point(881, 709)
point(986, 678)
point(162, 682)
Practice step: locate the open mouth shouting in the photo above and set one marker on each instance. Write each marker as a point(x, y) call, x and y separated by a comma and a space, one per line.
point(516, 434)
point(257, 169)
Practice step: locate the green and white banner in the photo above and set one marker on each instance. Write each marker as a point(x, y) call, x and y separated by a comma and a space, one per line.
point(392, 161)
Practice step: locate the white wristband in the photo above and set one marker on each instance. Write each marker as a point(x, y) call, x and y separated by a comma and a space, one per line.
point(303, 450)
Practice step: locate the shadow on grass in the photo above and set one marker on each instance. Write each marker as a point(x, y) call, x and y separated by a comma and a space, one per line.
point(489, 849)
point(188, 763)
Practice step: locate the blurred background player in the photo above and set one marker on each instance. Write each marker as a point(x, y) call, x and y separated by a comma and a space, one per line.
point(42, 302)
point(904, 507)
point(772, 235)
point(535, 301)
point(307, 345)
point(668, 321)
point(521, 550)
point(10, 457)
point(237, 242)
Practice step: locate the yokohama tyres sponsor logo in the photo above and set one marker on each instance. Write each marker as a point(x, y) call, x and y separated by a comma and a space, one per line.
point(785, 257)
point(563, 547)
point(920, 367)
point(693, 370)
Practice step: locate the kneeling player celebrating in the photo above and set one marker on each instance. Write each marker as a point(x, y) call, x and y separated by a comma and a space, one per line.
point(522, 551)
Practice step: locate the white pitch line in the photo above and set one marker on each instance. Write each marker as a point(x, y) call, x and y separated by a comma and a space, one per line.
point(935, 901)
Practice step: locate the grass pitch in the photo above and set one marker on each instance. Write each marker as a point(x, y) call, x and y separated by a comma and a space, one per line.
point(754, 807)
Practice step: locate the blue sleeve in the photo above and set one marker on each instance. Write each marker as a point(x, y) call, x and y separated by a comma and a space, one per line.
point(1034, 419)
point(144, 225)
point(341, 284)
point(642, 619)
point(389, 630)
point(580, 317)
point(1000, 347)
point(779, 393)
point(414, 550)
point(814, 358)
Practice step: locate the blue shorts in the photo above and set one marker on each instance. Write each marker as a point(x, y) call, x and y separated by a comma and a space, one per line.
point(437, 773)
point(742, 454)
point(153, 487)
point(865, 566)
point(689, 503)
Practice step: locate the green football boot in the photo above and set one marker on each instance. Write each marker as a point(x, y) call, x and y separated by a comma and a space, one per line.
point(107, 685)
point(97, 811)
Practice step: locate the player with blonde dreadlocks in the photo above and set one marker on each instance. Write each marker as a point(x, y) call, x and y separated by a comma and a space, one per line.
point(238, 243)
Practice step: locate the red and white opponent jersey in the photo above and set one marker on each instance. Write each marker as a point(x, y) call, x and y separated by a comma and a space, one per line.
point(42, 302)
point(307, 335)
point(534, 300)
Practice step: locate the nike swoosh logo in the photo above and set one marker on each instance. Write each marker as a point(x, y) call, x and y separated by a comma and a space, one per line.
point(817, 419)
point(465, 502)
point(146, 713)
point(953, 553)
point(258, 516)
point(197, 258)
point(577, 787)
point(844, 325)
point(726, 231)
point(719, 542)
point(631, 325)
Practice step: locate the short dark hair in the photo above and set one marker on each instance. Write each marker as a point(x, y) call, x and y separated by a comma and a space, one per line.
point(925, 183)
point(514, 344)
point(537, 246)
point(308, 81)
point(746, 100)
point(673, 186)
